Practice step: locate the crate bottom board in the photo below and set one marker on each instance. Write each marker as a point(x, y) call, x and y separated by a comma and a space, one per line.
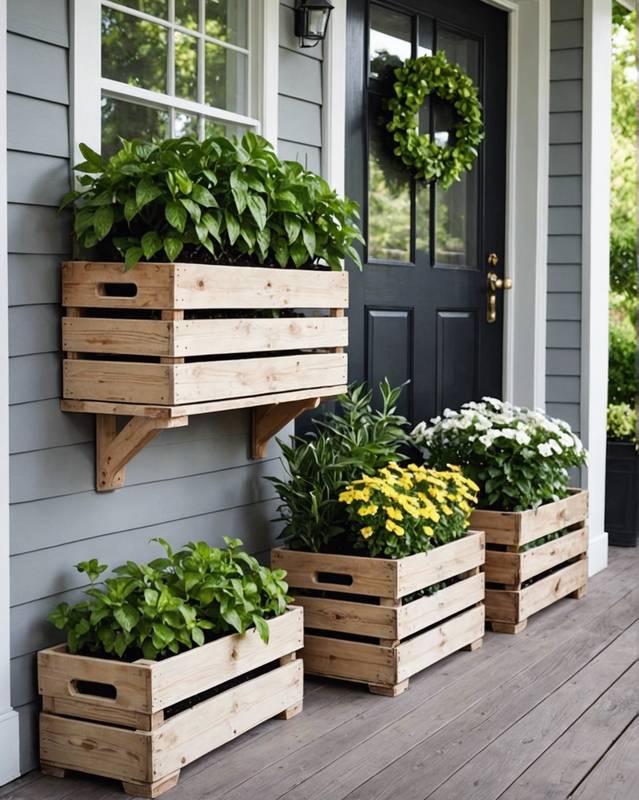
point(148, 760)
point(515, 606)
point(381, 665)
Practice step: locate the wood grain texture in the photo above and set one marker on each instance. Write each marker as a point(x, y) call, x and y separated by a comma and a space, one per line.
point(176, 384)
point(197, 286)
point(347, 737)
point(149, 687)
point(201, 337)
point(520, 527)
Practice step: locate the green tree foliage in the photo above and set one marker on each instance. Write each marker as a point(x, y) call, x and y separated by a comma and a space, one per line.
point(621, 356)
point(623, 210)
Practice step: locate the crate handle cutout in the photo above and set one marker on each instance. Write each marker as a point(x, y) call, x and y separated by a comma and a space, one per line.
point(96, 690)
point(117, 289)
point(337, 578)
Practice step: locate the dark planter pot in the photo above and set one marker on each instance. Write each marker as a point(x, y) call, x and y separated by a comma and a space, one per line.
point(622, 493)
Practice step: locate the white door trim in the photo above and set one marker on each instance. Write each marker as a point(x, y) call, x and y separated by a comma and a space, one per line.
point(595, 264)
point(9, 721)
point(524, 371)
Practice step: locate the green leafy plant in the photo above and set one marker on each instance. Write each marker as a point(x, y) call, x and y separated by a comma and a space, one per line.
point(217, 201)
point(622, 354)
point(400, 511)
point(622, 422)
point(518, 457)
point(359, 440)
point(427, 159)
point(172, 603)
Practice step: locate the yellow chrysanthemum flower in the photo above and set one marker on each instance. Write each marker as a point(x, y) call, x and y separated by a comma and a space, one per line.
point(367, 532)
point(367, 511)
point(393, 513)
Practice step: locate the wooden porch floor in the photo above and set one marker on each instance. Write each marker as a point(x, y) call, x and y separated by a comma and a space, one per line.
point(551, 713)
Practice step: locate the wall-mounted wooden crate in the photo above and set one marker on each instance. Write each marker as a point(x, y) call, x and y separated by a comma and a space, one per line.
point(166, 341)
point(382, 640)
point(141, 722)
point(522, 580)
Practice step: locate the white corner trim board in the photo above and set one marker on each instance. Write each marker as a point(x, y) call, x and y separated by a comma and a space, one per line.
point(524, 374)
point(9, 721)
point(334, 79)
point(595, 259)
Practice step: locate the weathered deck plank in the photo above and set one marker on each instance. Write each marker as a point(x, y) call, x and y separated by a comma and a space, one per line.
point(536, 716)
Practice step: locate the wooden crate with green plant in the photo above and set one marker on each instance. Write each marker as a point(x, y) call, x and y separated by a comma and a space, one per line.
point(378, 554)
point(165, 662)
point(536, 527)
point(217, 283)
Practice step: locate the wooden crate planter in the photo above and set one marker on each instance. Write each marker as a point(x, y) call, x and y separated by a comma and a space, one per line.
point(150, 344)
point(409, 637)
point(521, 582)
point(129, 737)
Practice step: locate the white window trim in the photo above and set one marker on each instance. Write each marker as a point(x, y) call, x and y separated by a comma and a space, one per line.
point(9, 720)
point(87, 81)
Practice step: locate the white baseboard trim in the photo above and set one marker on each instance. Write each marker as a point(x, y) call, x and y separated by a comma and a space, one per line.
point(597, 553)
point(9, 746)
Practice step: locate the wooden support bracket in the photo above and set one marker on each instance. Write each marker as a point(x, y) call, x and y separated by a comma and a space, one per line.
point(114, 449)
point(269, 421)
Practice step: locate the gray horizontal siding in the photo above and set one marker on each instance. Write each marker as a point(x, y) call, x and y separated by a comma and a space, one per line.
point(196, 482)
point(564, 301)
point(300, 103)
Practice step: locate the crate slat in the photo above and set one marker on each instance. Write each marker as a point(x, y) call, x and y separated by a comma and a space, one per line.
point(517, 528)
point(201, 337)
point(427, 648)
point(427, 611)
point(91, 284)
point(175, 384)
point(441, 563)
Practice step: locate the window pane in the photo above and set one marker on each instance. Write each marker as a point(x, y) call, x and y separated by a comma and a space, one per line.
point(185, 124)
point(134, 51)
point(213, 128)
point(227, 20)
point(157, 8)
point(389, 200)
point(458, 207)
point(226, 78)
point(186, 66)
point(390, 42)
point(187, 13)
point(130, 121)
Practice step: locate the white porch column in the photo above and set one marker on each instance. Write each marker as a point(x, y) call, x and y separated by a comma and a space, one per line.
point(595, 259)
point(9, 762)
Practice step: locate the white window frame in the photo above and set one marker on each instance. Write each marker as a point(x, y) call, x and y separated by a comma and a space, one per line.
point(88, 83)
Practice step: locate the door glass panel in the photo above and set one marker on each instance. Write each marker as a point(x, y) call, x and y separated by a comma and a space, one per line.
point(457, 207)
point(390, 40)
point(389, 195)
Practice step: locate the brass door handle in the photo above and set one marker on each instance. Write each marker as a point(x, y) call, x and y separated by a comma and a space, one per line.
point(494, 283)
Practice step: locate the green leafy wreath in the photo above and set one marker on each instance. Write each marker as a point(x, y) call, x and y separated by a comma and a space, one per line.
point(416, 80)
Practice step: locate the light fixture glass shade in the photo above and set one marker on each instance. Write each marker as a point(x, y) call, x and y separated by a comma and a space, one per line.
point(316, 22)
point(311, 21)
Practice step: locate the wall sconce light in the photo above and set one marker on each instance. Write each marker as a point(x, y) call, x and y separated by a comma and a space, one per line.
point(311, 21)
